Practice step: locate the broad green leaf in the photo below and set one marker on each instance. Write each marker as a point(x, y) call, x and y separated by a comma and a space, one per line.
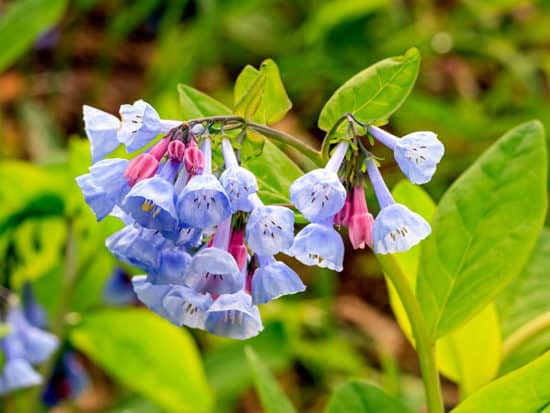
point(272, 396)
point(196, 104)
point(135, 405)
point(22, 22)
point(361, 397)
point(483, 231)
point(525, 299)
point(250, 101)
point(274, 182)
point(148, 355)
point(375, 93)
point(272, 100)
point(525, 390)
point(470, 356)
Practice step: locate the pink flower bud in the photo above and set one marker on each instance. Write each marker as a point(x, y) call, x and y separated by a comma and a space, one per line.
point(194, 159)
point(342, 217)
point(360, 221)
point(159, 149)
point(176, 150)
point(237, 248)
point(141, 167)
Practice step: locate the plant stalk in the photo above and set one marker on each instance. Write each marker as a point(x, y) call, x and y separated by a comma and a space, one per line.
point(526, 333)
point(425, 348)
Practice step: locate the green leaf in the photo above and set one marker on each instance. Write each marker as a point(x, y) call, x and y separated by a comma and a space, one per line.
point(483, 231)
point(264, 93)
point(271, 395)
point(4, 329)
point(471, 355)
point(361, 397)
point(197, 104)
point(274, 182)
point(148, 355)
point(525, 299)
point(22, 22)
point(375, 93)
point(525, 390)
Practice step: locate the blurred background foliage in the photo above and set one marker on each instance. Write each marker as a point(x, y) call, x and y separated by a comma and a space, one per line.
point(485, 68)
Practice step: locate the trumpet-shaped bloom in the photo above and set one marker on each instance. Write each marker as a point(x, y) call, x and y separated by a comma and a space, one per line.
point(361, 221)
point(186, 306)
point(397, 228)
point(417, 153)
point(141, 167)
point(319, 194)
point(172, 266)
point(215, 271)
point(203, 202)
point(273, 279)
point(37, 345)
point(137, 246)
point(101, 129)
point(140, 124)
point(234, 316)
point(150, 294)
point(343, 216)
point(319, 244)
point(17, 373)
point(152, 204)
point(270, 229)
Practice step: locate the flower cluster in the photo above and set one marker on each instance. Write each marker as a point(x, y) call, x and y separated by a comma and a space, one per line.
point(322, 197)
point(205, 241)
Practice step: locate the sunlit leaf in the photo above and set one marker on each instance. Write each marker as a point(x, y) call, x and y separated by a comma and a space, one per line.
point(148, 355)
point(196, 104)
point(375, 93)
point(483, 230)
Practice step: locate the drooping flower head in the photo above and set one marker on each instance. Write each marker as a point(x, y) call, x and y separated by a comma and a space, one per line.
point(319, 194)
point(361, 220)
point(101, 129)
point(396, 228)
point(185, 306)
point(17, 372)
point(140, 124)
point(273, 279)
point(417, 153)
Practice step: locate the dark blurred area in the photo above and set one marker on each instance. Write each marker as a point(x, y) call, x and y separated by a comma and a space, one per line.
point(485, 68)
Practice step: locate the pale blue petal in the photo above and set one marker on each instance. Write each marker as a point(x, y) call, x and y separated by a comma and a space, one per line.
point(137, 246)
point(108, 174)
point(140, 125)
point(234, 316)
point(397, 228)
point(270, 229)
point(98, 200)
point(173, 264)
point(214, 271)
point(318, 194)
point(152, 295)
point(187, 307)
point(18, 374)
point(203, 202)
point(319, 245)
point(101, 129)
point(274, 280)
point(152, 203)
point(118, 289)
point(238, 183)
point(418, 154)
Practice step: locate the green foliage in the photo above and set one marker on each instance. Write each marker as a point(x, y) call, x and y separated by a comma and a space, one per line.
point(148, 355)
point(479, 224)
point(273, 398)
point(375, 93)
point(196, 104)
point(526, 299)
point(470, 356)
point(22, 23)
point(361, 397)
point(522, 391)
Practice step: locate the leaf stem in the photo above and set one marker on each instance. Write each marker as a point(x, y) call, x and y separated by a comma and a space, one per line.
point(424, 345)
point(526, 333)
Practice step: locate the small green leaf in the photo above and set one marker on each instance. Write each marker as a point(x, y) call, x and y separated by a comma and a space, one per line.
point(483, 232)
point(272, 396)
point(22, 22)
point(248, 104)
point(148, 355)
point(525, 390)
point(471, 355)
point(273, 99)
point(375, 93)
point(361, 397)
point(197, 104)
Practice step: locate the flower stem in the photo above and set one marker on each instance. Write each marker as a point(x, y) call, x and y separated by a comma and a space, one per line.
point(424, 345)
point(526, 333)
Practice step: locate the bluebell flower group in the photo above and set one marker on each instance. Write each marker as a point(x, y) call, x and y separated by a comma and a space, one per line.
point(203, 237)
